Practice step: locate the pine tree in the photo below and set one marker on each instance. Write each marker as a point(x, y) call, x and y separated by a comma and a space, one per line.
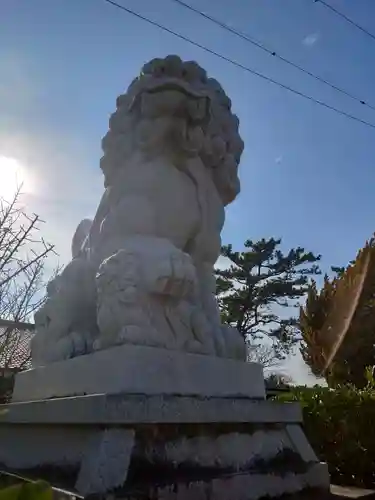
point(256, 292)
point(338, 323)
point(311, 320)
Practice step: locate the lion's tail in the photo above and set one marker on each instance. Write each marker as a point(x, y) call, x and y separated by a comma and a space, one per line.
point(80, 237)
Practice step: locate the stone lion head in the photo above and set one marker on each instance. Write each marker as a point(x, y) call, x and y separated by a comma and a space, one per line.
point(173, 106)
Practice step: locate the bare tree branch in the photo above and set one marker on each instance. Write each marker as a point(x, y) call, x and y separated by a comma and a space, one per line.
point(23, 255)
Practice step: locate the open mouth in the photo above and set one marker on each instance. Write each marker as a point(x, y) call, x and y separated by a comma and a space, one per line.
point(175, 85)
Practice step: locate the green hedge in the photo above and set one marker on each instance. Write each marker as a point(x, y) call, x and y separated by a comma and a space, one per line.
point(340, 425)
point(35, 490)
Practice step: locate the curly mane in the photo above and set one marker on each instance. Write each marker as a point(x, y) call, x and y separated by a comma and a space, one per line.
point(173, 103)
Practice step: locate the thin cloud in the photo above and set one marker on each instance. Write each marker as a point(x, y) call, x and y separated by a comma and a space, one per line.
point(311, 40)
point(278, 159)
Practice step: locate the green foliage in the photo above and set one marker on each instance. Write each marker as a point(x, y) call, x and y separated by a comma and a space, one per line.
point(38, 490)
point(339, 425)
point(338, 322)
point(311, 321)
point(261, 284)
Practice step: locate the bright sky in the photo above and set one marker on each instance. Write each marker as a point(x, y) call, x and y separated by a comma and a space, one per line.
point(307, 174)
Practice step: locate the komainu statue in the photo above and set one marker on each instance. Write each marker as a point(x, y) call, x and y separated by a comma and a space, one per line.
point(142, 270)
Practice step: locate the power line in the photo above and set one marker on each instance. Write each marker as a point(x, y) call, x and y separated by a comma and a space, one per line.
point(239, 65)
point(273, 53)
point(347, 19)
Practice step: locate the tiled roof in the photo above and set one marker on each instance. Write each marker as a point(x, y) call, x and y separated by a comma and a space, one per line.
point(14, 348)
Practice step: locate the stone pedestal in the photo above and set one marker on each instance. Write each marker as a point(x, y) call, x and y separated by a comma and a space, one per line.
point(131, 369)
point(182, 426)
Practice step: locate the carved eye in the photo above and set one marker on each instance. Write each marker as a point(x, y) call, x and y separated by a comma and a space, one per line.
point(159, 70)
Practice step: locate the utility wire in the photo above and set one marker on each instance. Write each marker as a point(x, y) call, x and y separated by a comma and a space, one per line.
point(239, 65)
point(273, 53)
point(347, 19)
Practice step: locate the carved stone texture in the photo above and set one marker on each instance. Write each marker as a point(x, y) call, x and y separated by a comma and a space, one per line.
point(142, 270)
point(106, 461)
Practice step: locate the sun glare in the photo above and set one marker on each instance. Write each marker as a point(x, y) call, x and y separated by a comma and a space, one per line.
point(12, 177)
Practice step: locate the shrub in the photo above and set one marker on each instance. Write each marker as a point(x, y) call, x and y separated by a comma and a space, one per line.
point(35, 490)
point(340, 426)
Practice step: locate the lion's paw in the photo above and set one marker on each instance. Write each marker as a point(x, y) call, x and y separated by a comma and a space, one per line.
point(133, 334)
point(176, 276)
point(235, 346)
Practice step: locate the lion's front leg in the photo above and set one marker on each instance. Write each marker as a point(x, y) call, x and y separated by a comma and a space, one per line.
point(122, 312)
point(147, 294)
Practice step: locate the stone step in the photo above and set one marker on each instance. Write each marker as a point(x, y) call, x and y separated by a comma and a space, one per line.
point(138, 409)
point(344, 492)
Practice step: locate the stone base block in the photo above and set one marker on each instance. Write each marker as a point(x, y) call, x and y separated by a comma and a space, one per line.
point(163, 447)
point(141, 370)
